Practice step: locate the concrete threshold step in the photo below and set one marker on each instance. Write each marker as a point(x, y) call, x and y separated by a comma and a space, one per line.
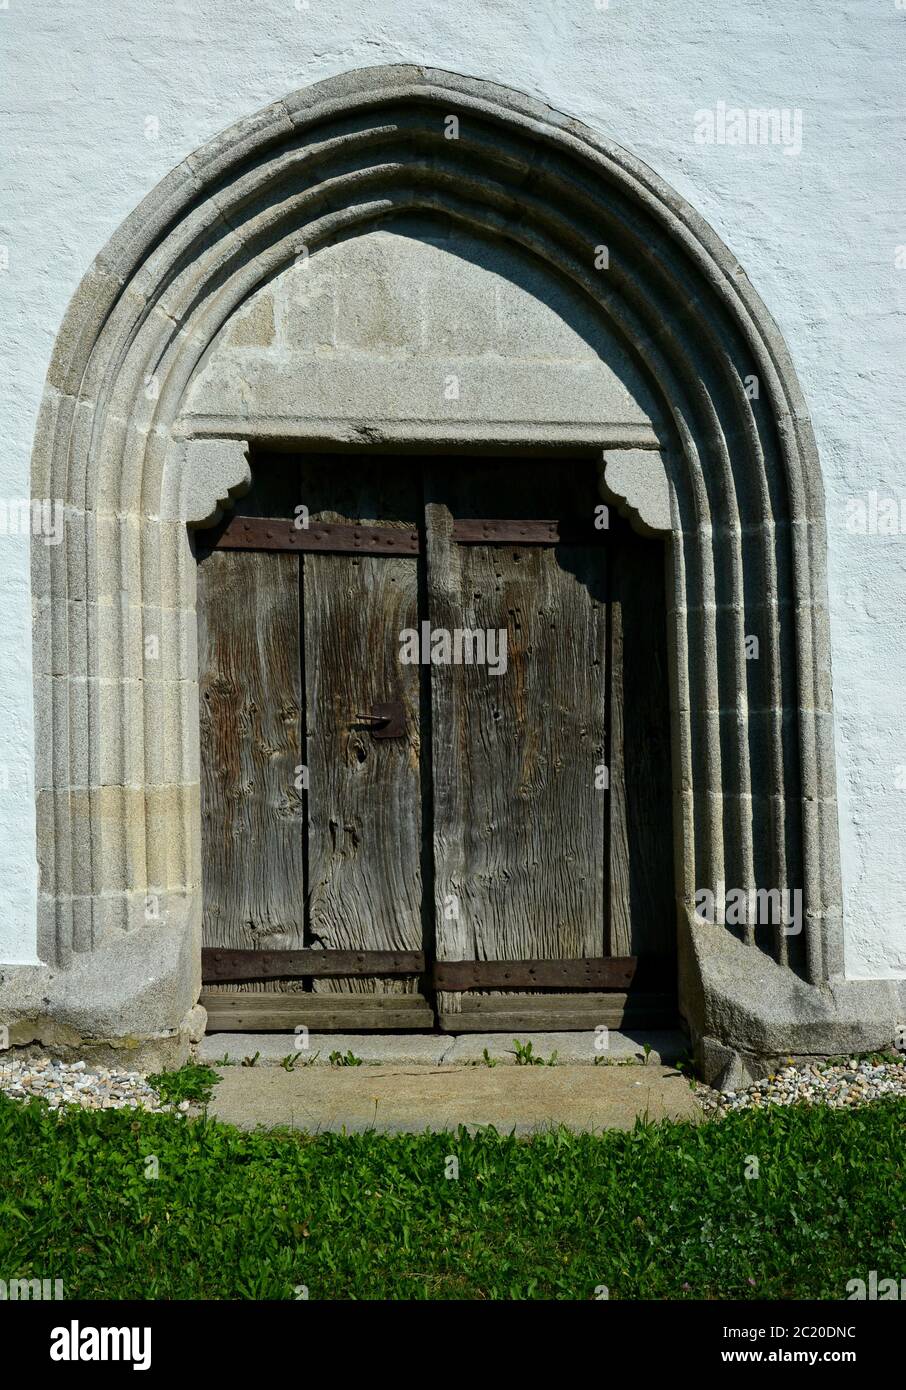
point(587, 1048)
point(400, 1099)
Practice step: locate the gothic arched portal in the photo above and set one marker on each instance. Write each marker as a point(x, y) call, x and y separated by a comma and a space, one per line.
point(753, 764)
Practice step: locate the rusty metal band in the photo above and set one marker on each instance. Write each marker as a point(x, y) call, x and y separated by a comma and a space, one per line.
point(500, 531)
point(603, 972)
point(219, 965)
point(277, 533)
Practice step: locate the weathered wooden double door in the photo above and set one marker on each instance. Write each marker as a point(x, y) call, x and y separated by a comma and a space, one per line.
point(435, 757)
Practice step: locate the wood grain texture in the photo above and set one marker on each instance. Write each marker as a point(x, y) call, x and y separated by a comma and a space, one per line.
point(519, 824)
point(587, 1002)
point(618, 894)
point(250, 713)
point(361, 489)
point(364, 793)
point(377, 783)
point(260, 1012)
point(527, 851)
point(522, 875)
point(515, 1014)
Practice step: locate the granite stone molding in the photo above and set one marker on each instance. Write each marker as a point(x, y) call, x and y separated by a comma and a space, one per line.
point(747, 1015)
point(130, 1002)
point(637, 482)
point(116, 671)
point(362, 340)
point(203, 478)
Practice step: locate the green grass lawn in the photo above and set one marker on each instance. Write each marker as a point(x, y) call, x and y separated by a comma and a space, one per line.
point(663, 1212)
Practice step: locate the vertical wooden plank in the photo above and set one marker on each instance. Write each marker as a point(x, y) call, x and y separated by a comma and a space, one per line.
point(618, 895)
point(250, 711)
point(448, 796)
point(519, 824)
point(643, 916)
point(365, 827)
point(357, 488)
point(364, 796)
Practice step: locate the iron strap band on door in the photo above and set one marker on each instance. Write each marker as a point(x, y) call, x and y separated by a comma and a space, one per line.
point(280, 533)
point(219, 964)
point(577, 530)
point(590, 972)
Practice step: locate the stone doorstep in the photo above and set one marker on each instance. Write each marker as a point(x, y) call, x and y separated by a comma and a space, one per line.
point(410, 1099)
point(439, 1049)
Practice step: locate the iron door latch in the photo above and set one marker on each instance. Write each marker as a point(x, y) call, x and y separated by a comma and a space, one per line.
point(388, 720)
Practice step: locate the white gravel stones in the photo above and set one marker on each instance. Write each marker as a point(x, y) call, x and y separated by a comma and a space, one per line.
point(71, 1083)
point(841, 1085)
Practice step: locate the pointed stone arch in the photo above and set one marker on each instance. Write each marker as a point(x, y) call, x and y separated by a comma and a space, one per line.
point(117, 727)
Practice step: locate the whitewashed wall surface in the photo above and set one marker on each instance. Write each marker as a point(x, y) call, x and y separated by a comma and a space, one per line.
point(782, 125)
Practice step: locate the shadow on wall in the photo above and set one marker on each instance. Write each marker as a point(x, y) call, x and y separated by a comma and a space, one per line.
point(420, 320)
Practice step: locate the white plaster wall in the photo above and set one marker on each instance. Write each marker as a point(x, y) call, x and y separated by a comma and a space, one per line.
point(98, 101)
